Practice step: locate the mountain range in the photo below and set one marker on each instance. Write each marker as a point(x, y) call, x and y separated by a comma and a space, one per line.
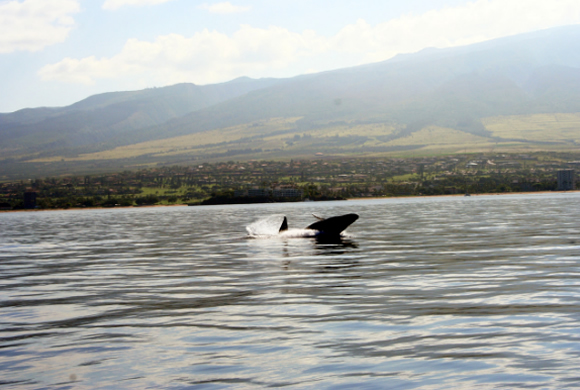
point(516, 93)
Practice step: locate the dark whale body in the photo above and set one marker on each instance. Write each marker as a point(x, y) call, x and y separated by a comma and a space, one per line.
point(328, 226)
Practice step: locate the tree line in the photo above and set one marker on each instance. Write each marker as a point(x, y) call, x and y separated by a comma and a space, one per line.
point(322, 178)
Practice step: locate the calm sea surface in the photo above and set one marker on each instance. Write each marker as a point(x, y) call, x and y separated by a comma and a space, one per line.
point(425, 293)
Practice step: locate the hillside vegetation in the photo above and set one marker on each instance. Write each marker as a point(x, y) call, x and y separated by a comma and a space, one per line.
point(280, 137)
point(296, 180)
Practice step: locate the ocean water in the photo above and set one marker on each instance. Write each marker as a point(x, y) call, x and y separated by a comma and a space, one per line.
point(421, 293)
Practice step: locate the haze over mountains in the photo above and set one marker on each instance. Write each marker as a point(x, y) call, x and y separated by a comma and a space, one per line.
point(515, 93)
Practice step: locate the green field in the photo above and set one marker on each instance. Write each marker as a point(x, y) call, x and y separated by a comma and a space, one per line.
point(279, 136)
point(283, 139)
point(540, 128)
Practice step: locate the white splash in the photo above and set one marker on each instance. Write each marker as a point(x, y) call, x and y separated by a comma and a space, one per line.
point(270, 226)
point(298, 233)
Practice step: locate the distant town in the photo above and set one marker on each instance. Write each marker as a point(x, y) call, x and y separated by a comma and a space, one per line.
point(299, 180)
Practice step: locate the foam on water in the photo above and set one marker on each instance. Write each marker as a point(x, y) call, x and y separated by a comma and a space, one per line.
point(270, 226)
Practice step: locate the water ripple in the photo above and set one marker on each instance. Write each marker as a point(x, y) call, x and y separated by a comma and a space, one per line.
point(423, 293)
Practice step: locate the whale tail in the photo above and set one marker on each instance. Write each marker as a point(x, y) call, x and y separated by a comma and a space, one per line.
point(334, 225)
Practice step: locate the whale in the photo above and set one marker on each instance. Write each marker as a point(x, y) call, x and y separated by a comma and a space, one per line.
point(323, 227)
point(328, 226)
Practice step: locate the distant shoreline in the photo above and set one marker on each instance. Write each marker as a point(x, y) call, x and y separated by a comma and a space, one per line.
point(94, 208)
point(348, 199)
point(463, 195)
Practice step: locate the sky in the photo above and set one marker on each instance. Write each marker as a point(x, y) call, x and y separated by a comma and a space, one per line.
point(57, 52)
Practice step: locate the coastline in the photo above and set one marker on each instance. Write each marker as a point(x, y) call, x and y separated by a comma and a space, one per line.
point(93, 208)
point(463, 195)
point(348, 199)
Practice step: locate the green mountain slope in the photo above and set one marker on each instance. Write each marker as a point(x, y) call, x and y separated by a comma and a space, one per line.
point(455, 88)
point(88, 124)
point(411, 102)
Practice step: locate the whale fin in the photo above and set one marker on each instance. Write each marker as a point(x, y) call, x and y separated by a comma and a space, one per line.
point(318, 217)
point(284, 225)
point(334, 225)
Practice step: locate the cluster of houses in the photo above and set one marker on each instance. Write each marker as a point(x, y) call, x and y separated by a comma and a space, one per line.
point(270, 193)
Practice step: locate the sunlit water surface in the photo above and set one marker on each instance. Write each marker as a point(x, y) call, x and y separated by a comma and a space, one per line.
point(425, 293)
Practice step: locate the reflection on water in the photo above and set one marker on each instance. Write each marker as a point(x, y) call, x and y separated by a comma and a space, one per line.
point(480, 292)
point(332, 244)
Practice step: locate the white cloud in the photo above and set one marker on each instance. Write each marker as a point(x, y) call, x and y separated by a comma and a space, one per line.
point(34, 24)
point(206, 57)
point(473, 22)
point(223, 8)
point(116, 4)
point(210, 56)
